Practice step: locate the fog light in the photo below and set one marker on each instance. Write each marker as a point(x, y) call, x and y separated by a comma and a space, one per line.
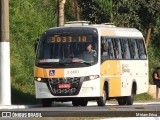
point(39, 79)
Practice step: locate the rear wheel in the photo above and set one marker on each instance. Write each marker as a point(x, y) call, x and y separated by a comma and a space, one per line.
point(46, 102)
point(101, 101)
point(122, 101)
point(129, 100)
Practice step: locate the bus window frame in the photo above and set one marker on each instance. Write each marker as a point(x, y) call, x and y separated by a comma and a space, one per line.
point(135, 48)
point(126, 49)
point(104, 38)
point(117, 49)
point(144, 49)
point(128, 40)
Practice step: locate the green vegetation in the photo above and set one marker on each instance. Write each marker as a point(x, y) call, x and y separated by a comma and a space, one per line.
point(30, 18)
point(143, 97)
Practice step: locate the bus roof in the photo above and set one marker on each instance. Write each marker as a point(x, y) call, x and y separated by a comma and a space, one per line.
point(103, 30)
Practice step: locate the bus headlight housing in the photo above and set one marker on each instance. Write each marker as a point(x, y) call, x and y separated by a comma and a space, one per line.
point(38, 79)
point(91, 77)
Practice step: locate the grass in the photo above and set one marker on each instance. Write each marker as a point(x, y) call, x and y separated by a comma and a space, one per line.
point(143, 97)
point(28, 19)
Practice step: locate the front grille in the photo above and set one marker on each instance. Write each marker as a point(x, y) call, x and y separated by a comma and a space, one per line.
point(75, 85)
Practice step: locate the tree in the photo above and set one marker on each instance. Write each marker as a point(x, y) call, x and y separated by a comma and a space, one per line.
point(148, 13)
point(60, 19)
point(107, 7)
point(72, 11)
point(76, 9)
point(94, 11)
point(125, 13)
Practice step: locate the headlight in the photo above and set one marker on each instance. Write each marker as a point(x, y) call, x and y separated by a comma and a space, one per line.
point(38, 79)
point(92, 77)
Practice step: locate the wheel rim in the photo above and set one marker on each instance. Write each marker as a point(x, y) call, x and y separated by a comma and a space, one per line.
point(104, 96)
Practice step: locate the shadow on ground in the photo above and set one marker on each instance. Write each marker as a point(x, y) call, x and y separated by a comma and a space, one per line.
point(18, 97)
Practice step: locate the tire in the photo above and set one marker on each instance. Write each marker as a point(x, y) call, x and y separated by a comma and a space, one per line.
point(76, 103)
point(129, 100)
point(84, 102)
point(46, 102)
point(80, 102)
point(122, 101)
point(101, 101)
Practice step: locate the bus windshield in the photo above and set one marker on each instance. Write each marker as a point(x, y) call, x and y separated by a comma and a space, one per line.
point(68, 49)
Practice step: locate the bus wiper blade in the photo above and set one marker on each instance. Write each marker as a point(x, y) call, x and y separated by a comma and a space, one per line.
point(65, 61)
point(77, 60)
point(87, 63)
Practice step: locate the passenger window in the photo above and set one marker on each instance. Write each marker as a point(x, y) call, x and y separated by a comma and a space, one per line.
point(107, 51)
point(133, 49)
point(117, 48)
point(141, 49)
point(125, 49)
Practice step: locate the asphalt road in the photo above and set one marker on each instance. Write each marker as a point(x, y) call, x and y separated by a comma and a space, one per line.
point(151, 109)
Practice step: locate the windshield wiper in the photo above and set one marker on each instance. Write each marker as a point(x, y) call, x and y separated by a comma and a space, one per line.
point(65, 61)
point(81, 61)
point(87, 63)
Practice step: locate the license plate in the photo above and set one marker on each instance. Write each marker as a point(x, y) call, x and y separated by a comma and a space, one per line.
point(64, 85)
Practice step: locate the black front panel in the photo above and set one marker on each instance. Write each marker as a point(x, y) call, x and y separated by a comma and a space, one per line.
point(64, 86)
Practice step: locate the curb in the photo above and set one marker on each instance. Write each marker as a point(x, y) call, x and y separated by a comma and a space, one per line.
point(18, 106)
point(68, 103)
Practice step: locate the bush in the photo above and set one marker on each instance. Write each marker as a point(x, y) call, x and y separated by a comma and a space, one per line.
point(28, 19)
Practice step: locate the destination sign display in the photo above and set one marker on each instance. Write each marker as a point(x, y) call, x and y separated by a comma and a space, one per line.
point(63, 39)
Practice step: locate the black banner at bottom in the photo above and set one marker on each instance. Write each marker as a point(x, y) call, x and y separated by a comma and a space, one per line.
point(79, 114)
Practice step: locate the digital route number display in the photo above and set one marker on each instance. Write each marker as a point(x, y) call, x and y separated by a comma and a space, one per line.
point(63, 39)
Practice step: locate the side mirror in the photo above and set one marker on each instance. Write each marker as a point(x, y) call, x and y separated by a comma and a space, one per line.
point(35, 45)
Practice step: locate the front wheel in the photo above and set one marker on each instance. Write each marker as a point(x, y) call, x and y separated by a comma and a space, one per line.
point(80, 102)
point(76, 103)
point(84, 102)
point(101, 101)
point(46, 102)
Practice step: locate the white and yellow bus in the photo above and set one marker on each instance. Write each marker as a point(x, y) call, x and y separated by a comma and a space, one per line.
point(65, 71)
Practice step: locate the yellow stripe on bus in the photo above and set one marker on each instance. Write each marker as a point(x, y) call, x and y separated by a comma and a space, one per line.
point(44, 73)
point(38, 72)
point(107, 33)
point(114, 87)
point(59, 73)
point(111, 71)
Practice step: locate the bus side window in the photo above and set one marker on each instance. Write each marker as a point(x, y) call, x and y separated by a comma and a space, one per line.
point(107, 51)
point(133, 49)
point(141, 49)
point(117, 49)
point(102, 45)
point(125, 49)
point(110, 48)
